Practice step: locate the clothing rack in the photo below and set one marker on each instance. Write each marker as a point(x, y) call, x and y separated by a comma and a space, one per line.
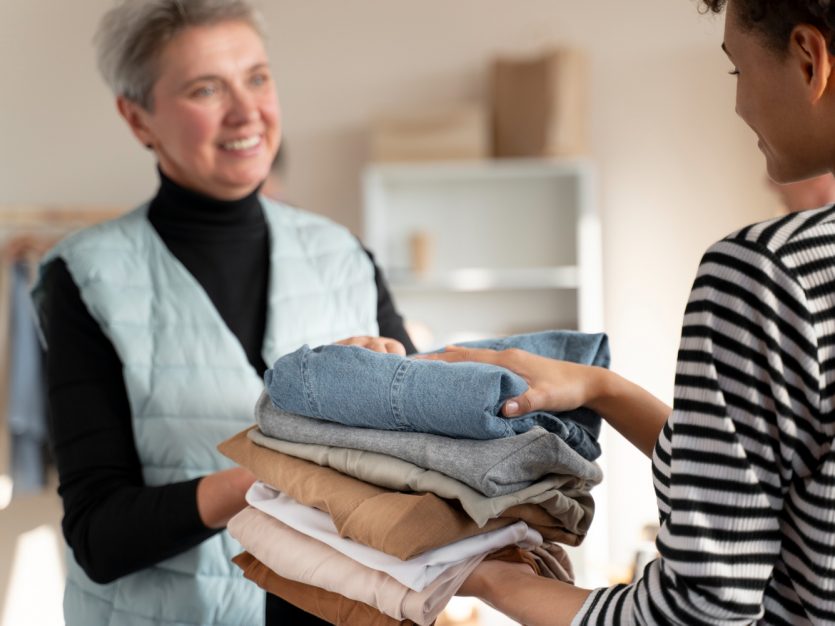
point(26, 233)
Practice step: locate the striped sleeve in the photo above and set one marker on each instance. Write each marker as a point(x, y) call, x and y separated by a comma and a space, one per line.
point(743, 425)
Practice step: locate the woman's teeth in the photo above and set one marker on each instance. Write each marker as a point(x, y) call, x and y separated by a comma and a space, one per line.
point(242, 144)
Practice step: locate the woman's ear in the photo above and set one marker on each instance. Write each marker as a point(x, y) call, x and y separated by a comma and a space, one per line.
point(137, 118)
point(809, 47)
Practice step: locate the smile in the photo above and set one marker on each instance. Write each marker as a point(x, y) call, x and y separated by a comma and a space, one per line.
point(242, 144)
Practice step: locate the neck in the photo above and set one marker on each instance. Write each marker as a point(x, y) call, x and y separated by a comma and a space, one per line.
point(175, 207)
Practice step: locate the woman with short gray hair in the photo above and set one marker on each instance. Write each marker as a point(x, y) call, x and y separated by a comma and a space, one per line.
point(160, 323)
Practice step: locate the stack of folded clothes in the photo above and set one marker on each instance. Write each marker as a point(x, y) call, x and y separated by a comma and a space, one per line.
point(384, 480)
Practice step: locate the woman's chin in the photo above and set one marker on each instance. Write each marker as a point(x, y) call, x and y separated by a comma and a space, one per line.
point(242, 184)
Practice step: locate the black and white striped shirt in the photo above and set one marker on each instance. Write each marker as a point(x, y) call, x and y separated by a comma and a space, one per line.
point(744, 469)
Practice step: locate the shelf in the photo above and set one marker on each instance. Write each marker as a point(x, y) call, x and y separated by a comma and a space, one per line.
point(487, 279)
point(522, 235)
point(487, 169)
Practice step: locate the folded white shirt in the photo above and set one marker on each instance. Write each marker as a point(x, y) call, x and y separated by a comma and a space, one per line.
point(415, 573)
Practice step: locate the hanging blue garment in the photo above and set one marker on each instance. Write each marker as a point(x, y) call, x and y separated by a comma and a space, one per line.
point(26, 405)
point(358, 387)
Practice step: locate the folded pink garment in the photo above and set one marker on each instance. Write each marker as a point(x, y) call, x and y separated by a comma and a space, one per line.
point(297, 557)
point(325, 605)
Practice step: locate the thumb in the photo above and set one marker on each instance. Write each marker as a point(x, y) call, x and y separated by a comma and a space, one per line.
point(517, 406)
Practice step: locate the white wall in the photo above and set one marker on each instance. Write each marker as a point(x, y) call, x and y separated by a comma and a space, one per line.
point(677, 168)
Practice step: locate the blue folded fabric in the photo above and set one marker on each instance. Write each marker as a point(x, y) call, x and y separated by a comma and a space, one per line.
point(358, 387)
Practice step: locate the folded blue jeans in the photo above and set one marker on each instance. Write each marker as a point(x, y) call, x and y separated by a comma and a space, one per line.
point(358, 387)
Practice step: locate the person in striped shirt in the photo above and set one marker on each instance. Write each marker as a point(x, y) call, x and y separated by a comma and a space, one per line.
point(743, 463)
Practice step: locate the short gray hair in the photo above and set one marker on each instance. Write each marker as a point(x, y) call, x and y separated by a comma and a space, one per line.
point(132, 35)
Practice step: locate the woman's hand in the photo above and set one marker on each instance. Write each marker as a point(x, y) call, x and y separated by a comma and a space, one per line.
point(478, 583)
point(220, 496)
point(516, 591)
point(375, 344)
point(562, 386)
point(552, 385)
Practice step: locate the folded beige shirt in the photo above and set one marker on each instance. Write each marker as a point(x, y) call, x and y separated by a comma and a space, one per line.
point(401, 524)
point(566, 498)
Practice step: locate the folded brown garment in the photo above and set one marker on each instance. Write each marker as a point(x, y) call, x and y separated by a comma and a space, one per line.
point(515, 554)
point(325, 605)
point(400, 524)
point(547, 560)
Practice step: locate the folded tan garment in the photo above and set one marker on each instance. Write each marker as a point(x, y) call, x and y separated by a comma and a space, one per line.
point(515, 554)
point(325, 605)
point(565, 498)
point(553, 562)
point(547, 560)
point(401, 524)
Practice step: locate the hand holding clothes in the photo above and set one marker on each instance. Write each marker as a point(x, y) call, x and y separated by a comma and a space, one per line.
point(357, 387)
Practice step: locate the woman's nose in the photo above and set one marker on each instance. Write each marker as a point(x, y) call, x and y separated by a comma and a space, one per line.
point(243, 107)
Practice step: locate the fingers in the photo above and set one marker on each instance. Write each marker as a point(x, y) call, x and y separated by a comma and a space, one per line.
point(459, 354)
point(531, 400)
point(394, 347)
point(350, 341)
point(385, 345)
point(511, 408)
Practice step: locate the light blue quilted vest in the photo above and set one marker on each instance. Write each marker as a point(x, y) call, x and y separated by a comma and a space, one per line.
point(190, 385)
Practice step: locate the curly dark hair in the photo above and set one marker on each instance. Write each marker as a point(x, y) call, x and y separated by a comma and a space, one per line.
point(775, 19)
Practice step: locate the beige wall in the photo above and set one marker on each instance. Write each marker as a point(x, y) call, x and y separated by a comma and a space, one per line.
point(677, 168)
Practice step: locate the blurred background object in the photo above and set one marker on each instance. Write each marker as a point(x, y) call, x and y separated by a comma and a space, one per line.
point(448, 133)
point(460, 612)
point(540, 105)
point(274, 186)
point(31, 546)
point(646, 552)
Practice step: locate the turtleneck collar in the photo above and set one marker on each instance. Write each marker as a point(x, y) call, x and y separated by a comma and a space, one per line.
point(178, 212)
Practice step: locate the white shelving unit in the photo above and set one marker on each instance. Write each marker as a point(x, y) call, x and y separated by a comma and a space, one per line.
point(513, 246)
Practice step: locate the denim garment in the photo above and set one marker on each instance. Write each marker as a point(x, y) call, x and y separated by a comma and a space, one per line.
point(358, 387)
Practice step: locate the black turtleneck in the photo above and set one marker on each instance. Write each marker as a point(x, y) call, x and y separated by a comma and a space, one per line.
point(113, 522)
point(226, 247)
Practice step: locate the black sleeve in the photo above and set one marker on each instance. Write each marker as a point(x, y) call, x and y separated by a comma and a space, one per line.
point(113, 522)
point(388, 319)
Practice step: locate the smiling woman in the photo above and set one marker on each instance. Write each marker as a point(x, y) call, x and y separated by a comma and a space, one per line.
point(214, 119)
point(159, 324)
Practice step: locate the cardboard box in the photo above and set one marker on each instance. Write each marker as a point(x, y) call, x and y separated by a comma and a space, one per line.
point(539, 105)
point(457, 132)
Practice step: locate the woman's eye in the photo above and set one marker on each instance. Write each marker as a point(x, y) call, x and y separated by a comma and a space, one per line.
point(259, 79)
point(204, 91)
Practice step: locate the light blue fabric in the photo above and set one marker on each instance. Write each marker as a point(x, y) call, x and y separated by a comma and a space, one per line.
point(26, 410)
point(190, 386)
point(358, 387)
